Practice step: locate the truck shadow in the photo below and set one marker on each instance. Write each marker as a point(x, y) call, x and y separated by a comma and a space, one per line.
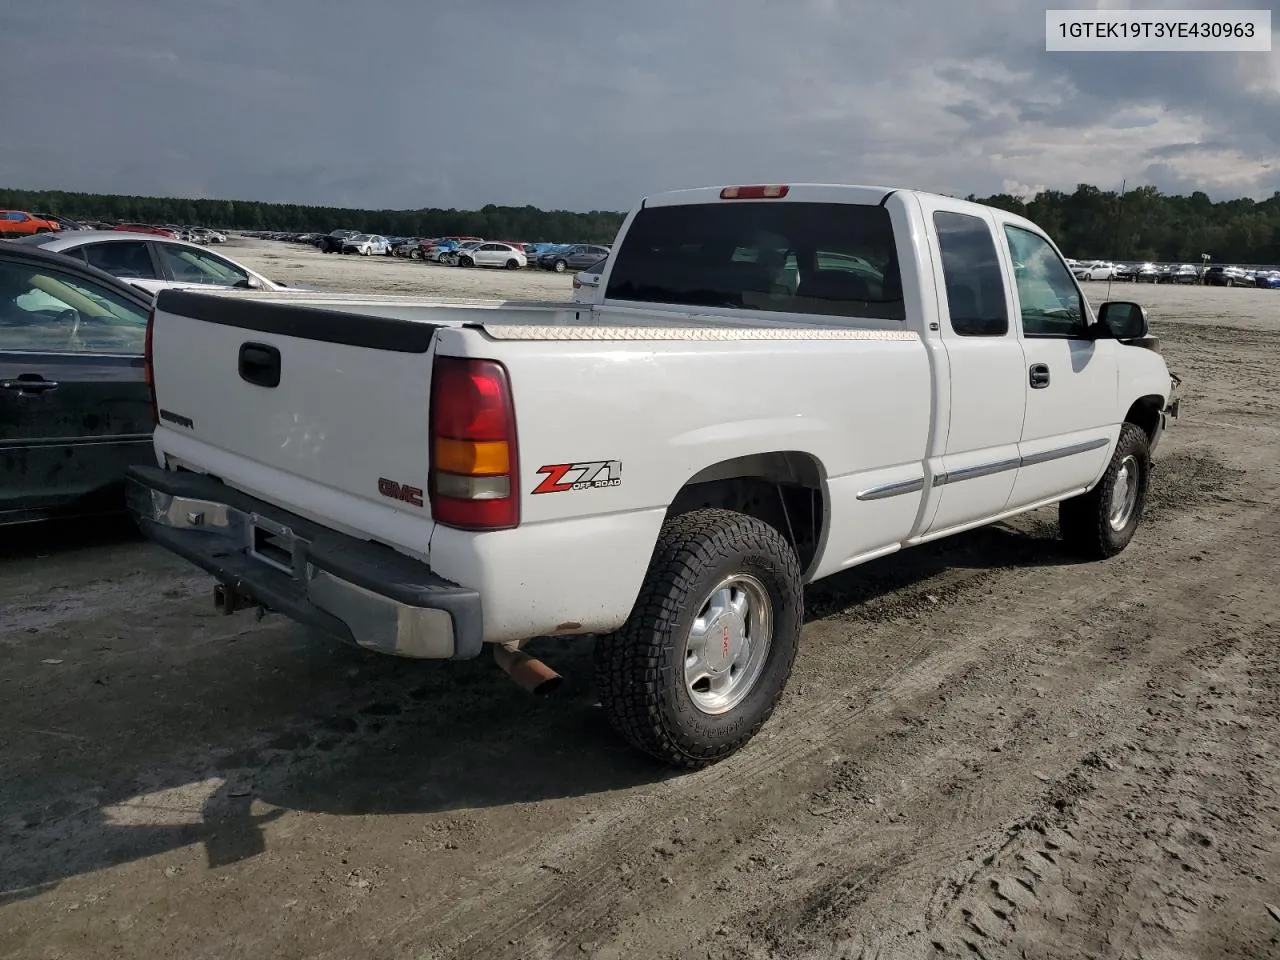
point(1026, 541)
point(311, 727)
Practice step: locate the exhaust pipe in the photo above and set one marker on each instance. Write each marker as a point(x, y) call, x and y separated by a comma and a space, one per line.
point(528, 672)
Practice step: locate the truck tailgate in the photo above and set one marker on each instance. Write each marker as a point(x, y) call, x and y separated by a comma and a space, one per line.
point(301, 406)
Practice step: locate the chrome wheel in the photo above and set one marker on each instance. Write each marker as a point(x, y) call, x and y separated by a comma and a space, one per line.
point(1124, 495)
point(728, 644)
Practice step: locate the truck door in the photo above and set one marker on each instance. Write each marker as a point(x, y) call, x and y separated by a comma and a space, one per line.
point(1070, 379)
point(984, 398)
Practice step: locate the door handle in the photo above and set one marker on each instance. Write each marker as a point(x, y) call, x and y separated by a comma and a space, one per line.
point(1039, 376)
point(27, 384)
point(259, 364)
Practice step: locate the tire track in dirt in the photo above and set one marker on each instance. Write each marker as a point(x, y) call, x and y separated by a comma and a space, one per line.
point(1130, 853)
point(980, 904)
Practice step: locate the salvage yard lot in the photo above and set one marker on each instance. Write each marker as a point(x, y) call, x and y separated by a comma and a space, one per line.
point(985, 748)
point(299, 265)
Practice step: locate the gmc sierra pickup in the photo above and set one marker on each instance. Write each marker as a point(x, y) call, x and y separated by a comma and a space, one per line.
point(771, 385)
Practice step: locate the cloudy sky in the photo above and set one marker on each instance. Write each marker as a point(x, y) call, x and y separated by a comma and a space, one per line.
point(590, 104)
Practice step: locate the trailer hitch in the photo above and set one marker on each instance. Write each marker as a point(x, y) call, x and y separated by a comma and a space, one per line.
point(229, 599)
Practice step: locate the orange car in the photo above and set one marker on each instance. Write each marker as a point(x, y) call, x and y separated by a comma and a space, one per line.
point(19, 223)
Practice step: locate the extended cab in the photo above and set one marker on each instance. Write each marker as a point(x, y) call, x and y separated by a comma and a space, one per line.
point(772, 384)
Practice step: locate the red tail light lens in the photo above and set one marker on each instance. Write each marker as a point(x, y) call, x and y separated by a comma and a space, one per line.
point(474, 477)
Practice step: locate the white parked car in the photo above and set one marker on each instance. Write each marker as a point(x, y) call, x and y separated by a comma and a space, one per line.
point(493, 254)
point(774, 384)
point(151, 262)
point(206, 235)
point(1096, 270)
point(367, 245)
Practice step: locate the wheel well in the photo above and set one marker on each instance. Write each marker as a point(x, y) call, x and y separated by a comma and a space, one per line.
point(1145, 413)
point(783, 489)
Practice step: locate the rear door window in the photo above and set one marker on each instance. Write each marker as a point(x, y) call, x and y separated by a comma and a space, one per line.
point(974, 280)
point(122, 258)
point(833, 259)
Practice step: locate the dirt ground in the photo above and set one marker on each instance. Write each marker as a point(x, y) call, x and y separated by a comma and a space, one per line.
point(986, 750)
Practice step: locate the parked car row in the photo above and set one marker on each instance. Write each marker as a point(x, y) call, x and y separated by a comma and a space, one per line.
point(1218, 275)
point(461, 251)
point(23, 223)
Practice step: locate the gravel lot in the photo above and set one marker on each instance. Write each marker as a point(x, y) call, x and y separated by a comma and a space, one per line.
point(986, 750)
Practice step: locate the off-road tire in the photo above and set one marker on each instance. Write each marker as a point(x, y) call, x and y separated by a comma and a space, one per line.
point(1085, 520)
point(638, 670)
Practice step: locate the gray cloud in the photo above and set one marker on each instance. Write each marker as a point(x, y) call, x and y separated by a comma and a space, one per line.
point(398, 103)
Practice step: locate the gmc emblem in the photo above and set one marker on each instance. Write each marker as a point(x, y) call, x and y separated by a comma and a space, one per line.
point(396, 491)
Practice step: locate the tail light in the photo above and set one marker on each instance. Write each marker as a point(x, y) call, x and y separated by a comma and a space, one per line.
point(149, 367)
point(761, 192)
point(474, 478)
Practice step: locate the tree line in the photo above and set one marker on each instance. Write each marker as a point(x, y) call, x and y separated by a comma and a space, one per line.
point(526, 224)
point(1087, 224)
point(1144, 224)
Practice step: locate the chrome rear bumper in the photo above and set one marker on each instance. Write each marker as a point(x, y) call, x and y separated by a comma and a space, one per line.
point(360, 591)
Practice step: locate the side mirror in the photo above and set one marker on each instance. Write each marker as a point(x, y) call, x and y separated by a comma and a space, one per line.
point(1121, 320)
point(250, 283)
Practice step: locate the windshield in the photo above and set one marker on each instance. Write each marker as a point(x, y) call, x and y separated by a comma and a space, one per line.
point(833, 259)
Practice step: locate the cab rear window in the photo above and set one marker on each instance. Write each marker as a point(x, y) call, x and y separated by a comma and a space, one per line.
point(832, 259)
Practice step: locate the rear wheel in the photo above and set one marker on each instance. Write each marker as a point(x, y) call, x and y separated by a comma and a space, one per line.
point(415, 254)
point(561, 266)
point(702, 661)
point(513, 264)
point(1100, 523)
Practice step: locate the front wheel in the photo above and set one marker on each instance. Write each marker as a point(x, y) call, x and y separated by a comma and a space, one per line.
point(561, 266)
point(415, 254)
point(466, 262)
point(1099, 524)
point(702, 661)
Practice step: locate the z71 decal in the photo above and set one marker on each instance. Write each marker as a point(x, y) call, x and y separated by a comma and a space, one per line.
point(590, 475)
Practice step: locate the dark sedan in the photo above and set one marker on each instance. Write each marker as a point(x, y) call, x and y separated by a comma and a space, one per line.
point(75, 408)
point(577, 257)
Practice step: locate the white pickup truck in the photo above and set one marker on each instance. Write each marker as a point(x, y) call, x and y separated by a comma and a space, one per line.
point(772, 384)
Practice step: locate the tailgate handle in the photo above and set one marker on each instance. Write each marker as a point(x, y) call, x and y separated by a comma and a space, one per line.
point(260, 364)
